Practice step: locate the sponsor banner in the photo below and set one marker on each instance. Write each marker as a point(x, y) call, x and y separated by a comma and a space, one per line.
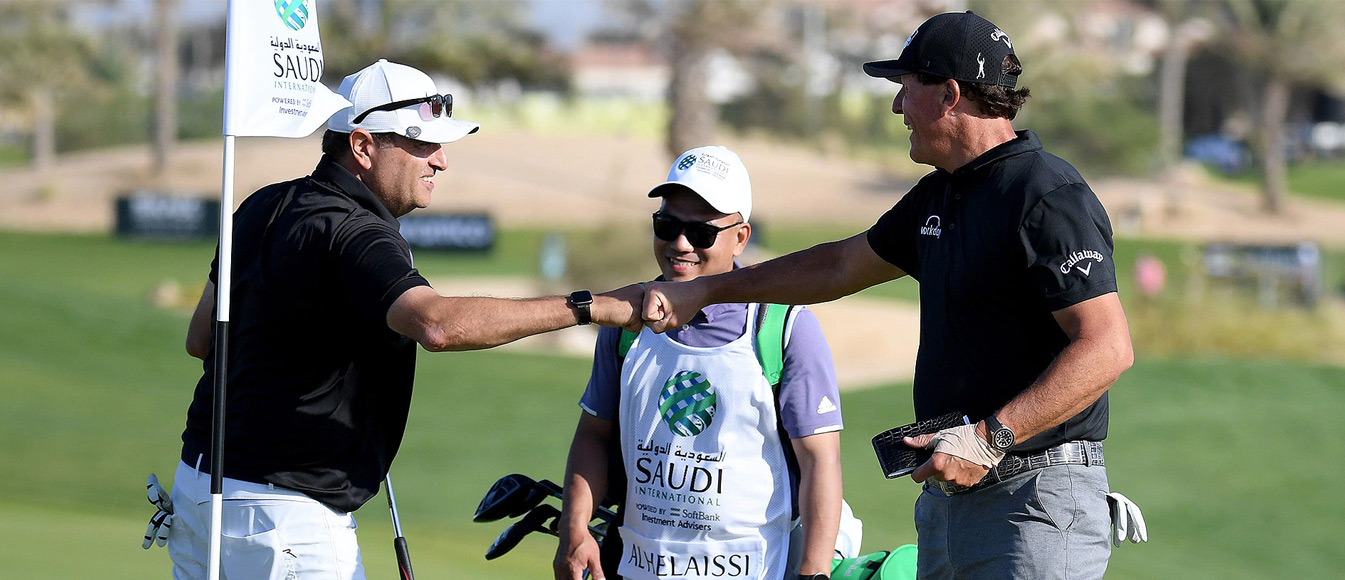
point(164, 216)
point(647, 559)
point(1295, 270)
point(457, 232)
point(272, 70)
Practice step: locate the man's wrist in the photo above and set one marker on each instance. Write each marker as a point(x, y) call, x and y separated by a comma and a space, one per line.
point(582, 302)
point(998, 436)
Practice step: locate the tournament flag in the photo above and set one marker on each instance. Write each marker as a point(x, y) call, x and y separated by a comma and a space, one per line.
point(272, 70)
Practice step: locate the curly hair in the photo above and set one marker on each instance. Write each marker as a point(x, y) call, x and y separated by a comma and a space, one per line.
point(993, 100)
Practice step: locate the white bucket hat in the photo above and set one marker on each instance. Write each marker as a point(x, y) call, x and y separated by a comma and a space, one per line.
point(386, 83)
point(717, 175)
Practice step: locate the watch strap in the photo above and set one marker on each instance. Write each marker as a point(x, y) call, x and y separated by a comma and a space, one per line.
point(999, 436)
point(582, 300)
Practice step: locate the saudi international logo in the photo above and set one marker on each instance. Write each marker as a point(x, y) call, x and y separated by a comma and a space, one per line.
point(294, 13)
point(687, 162)
point(687, 403)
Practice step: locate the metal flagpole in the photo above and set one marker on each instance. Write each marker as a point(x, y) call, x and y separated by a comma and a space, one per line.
point(221, 356)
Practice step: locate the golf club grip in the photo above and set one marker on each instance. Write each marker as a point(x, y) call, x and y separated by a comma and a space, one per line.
point(403, 559)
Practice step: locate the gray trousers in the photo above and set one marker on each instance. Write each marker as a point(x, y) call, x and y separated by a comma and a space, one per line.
point(1050, 523)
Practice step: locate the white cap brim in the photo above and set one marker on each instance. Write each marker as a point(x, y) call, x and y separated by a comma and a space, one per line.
point(721, 205)
point(446, 130)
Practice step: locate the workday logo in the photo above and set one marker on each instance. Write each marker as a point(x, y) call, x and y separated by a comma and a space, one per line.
point(687, 403)
point(931, 227)
point(294, 13)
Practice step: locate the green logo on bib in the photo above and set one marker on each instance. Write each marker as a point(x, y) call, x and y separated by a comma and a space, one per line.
point(687, 403)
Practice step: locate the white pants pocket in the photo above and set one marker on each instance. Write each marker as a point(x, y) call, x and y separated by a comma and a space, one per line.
point(255, 557)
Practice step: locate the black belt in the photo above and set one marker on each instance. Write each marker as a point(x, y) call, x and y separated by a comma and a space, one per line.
point(1086, 453)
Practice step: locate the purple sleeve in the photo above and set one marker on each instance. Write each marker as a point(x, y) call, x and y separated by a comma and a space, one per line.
point(602, 396)
point(810, 401)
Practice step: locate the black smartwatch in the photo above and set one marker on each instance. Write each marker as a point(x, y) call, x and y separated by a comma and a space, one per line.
point(582, 301)
point(999, 436)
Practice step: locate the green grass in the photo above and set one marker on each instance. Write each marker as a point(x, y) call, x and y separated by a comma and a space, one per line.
point(1321, 179)
point(1234, 461)
point(13, 155)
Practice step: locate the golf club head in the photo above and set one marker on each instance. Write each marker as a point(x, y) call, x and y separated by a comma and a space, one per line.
point(510, 496)
point(555, 490)
point(534, 521)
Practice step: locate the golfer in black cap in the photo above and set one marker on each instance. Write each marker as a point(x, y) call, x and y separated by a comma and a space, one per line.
point(1021, 329)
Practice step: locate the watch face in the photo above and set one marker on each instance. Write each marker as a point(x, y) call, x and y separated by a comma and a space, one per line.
point(1003, 438)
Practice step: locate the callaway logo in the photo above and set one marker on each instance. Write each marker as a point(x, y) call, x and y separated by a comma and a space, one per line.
point(1073, 259)
point(826, 406)
point(687, 403)
point(931, 227)
point(980, 63)
point(686, 162)
point(294, 13)
point(999, 35)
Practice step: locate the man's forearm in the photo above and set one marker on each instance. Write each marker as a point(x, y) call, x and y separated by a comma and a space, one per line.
point(820, 493)
point(452, 323)
point(818, 274)
point(585, 477)
point(1082, 372)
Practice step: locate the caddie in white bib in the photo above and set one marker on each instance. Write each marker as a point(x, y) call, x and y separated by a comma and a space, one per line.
point(703, 457)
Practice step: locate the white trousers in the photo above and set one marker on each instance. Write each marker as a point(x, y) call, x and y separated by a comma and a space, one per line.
point(267, 533)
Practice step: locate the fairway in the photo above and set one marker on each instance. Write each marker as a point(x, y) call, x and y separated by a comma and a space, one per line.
point(1235, 462)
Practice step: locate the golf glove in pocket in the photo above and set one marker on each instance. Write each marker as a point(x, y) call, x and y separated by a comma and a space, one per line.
point(162, 521)
point(1126, 520)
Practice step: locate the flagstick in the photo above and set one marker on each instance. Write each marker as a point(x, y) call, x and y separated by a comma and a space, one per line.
point(221, 356)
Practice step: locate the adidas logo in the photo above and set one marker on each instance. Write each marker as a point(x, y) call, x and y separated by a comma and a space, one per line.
point(826, 406)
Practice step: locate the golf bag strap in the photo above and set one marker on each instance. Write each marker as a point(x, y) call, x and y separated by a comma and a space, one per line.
point(769, 339)
point(623, 345)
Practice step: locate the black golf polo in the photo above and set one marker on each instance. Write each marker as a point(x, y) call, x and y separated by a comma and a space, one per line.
point(997, 246)
point(319, 386)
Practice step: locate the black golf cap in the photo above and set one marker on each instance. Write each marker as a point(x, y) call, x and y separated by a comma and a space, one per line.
point(957, 45)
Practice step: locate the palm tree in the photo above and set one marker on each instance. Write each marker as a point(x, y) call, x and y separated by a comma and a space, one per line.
point(1188, 28)
point(1287, 43)
point(44, 62)
point(698, 28)
point(165, 90)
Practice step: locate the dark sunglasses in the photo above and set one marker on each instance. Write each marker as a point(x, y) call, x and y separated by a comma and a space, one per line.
point(431, 107)
point(700, 235)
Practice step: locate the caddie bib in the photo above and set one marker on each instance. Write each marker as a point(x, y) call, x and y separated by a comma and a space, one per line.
point(708, 495)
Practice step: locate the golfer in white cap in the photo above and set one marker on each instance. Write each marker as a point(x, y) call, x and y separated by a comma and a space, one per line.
point(327, 310)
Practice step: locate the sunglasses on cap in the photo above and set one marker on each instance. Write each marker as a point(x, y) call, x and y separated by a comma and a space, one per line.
point(700, 235)
point(431, 107)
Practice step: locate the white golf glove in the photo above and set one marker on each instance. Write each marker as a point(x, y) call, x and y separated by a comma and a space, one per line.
point(1126, 517)
point(962, 441)
point(162, 521)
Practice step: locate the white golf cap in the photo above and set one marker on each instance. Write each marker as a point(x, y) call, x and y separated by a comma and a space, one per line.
point(386, 82)
point(717, 175)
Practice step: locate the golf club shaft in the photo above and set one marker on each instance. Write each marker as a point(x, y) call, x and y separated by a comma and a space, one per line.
point(398, 543)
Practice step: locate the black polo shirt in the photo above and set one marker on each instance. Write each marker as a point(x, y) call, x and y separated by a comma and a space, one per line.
point(319, 386)
point(997, 246)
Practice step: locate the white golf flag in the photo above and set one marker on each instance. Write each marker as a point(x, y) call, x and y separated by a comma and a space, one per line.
point(272, 70)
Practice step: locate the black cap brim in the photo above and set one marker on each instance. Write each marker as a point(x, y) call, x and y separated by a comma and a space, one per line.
point(886, 69)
